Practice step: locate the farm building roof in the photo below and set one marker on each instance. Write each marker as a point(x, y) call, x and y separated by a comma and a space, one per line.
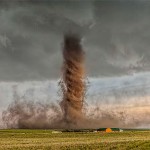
point(113, 129)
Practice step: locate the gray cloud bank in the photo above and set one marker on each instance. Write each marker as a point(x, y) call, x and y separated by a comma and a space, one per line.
point(115, 37)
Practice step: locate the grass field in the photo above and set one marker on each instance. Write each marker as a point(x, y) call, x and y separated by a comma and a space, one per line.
point(46, 140)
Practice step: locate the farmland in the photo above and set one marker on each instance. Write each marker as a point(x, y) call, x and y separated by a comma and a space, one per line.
point(49, 140)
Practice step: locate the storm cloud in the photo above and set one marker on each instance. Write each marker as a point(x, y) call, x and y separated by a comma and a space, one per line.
point(115, 36)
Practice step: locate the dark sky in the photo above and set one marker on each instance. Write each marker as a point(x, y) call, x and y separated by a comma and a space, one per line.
point(116, 37)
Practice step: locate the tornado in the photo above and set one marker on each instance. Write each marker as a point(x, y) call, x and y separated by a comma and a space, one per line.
point(72, 82)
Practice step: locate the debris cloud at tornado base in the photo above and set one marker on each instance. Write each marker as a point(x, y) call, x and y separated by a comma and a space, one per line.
point(36, 115)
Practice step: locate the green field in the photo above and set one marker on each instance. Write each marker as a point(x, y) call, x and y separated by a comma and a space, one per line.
point(46, 140)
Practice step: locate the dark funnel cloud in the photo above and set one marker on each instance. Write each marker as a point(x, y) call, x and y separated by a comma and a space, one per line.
point(72, 83)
